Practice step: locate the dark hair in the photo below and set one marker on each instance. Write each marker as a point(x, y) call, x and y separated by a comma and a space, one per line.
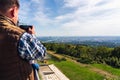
point(6, 4)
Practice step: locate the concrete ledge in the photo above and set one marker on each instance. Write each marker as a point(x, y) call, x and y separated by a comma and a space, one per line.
point(58, 73)
point(51, 72)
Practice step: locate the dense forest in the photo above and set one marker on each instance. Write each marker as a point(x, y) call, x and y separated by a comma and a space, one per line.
point(88, 54)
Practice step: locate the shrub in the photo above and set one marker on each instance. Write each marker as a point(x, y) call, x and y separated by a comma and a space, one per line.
point(63, 59)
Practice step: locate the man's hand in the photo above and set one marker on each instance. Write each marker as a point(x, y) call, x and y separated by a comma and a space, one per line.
point(31, 30)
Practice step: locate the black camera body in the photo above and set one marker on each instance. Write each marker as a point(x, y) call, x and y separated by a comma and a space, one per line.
point(25, 27)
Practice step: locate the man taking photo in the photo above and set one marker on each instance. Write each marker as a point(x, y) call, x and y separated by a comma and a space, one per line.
point(17, 47)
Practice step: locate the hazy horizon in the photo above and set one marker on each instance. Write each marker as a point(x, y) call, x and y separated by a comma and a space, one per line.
point(78, 36)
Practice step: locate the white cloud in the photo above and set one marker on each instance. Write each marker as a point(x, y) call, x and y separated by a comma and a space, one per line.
point(24, 10)
point(91, 18)
point(33, 11)
point(37, 1)
point(75, 3)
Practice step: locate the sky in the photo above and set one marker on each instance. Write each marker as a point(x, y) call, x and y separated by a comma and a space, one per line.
point(72, 17)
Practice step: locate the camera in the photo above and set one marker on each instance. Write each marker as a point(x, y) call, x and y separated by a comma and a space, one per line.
point(25, 27)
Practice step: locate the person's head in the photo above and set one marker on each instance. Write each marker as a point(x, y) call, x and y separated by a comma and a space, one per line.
point(10, 8)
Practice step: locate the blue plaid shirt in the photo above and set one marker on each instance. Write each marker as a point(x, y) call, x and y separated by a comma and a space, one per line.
point(30, 48)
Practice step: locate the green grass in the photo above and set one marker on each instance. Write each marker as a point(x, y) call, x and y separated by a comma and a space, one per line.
point(107, 68)
point(76, 72)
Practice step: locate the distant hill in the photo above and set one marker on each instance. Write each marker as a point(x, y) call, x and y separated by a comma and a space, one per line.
point(109, 41)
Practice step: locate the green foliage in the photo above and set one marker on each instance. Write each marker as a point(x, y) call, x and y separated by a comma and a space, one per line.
point(116, 52)
point(55, 58)
point(88, 54)
point(84, 60)
point(63, 59)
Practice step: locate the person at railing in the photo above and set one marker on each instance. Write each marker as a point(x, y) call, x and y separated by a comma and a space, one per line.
point(17, 47)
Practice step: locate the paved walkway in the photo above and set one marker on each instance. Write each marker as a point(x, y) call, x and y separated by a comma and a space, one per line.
point(51, 72)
